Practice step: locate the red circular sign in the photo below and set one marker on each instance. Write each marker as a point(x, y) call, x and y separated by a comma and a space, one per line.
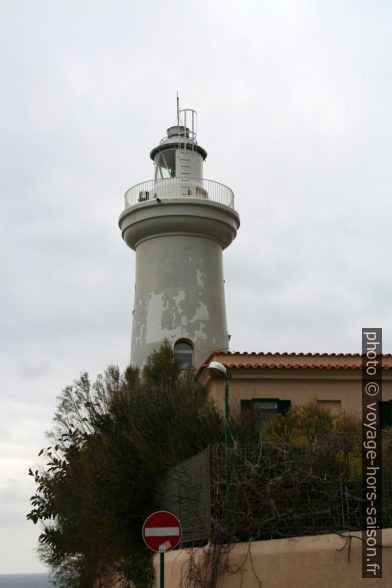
point(162, 531)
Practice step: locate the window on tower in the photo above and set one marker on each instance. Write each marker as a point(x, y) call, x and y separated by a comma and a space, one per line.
point(165, 162)
point(183, 350)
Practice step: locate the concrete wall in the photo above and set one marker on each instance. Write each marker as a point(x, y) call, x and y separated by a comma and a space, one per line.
point(321, 561)
point(337, 388)
point(299, 386)
point(179, 273)
point(179, 294)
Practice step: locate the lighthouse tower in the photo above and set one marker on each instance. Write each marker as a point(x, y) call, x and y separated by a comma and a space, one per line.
point(178, 224)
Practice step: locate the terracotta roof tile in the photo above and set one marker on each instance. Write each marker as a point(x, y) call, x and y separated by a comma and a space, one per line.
point(269, 360)
point(327, 366)
point(291, 353)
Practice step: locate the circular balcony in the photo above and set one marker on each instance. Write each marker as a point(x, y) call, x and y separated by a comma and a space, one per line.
point(169, 188)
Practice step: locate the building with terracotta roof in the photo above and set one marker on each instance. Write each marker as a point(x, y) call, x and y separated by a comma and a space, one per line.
point(272, 382)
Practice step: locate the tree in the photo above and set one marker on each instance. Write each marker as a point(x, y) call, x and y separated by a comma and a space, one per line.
point(109, 442)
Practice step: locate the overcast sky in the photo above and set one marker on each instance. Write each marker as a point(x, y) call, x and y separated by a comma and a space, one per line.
point(294, 109)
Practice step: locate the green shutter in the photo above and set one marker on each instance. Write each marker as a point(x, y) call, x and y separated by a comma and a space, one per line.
point(246, 405)
point(284, 406)
point(385, 408)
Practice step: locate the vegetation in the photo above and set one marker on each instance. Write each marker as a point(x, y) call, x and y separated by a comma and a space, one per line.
point(109, 442)
point(302, 477)
point(295, 474)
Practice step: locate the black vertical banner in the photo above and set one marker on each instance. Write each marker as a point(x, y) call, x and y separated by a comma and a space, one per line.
point(371, 453)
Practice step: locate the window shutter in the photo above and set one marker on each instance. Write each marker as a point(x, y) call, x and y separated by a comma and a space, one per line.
point(284, 406)
point(246, 405)
point(385, 408)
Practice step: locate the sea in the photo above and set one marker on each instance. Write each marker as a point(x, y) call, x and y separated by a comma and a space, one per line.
point(24, 581)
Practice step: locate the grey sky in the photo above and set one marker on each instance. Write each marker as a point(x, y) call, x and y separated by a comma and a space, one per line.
point(294, 105)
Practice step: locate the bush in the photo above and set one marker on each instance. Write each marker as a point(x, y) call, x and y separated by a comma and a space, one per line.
point(109, 442)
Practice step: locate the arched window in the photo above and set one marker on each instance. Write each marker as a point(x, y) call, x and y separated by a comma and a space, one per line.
point(183, 350)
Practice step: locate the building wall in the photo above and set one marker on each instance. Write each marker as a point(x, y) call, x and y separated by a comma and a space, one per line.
point(336, 386)
point(322, 561)
point(300, 388)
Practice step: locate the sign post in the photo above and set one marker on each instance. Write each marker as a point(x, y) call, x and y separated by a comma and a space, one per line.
point(161, 532)
point(162, 568)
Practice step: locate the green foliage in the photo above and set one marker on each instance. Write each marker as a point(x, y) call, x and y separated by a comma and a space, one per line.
point(305, 425)
point(109, 442)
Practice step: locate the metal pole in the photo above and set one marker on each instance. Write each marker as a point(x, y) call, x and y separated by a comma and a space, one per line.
point(227, 413)
point(227, 443)
point(162, 568)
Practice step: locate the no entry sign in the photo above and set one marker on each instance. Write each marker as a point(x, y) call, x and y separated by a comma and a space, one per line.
point(161, 531)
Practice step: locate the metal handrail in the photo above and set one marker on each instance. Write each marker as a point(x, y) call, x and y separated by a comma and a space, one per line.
point(199, 188)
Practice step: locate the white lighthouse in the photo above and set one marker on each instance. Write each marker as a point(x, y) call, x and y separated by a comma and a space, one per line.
point(178, 224)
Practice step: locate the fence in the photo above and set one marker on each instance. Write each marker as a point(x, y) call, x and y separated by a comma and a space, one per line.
point(269, 491)
point(184, 491)
point(164, 188)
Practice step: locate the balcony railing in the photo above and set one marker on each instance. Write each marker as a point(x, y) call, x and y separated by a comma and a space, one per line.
point(199, 188)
